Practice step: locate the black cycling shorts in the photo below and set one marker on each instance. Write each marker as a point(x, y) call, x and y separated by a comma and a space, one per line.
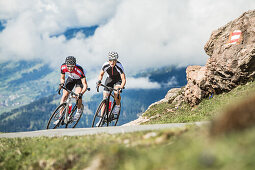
point(70, 83)
point(111, 83)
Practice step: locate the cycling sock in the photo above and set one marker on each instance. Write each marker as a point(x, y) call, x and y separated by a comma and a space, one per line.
point(116, 109)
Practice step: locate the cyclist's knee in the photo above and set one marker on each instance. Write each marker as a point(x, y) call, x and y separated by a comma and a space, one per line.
point(116, 97)
point(106, 94)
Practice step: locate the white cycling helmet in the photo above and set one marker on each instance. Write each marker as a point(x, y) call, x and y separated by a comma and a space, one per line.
point(113, 55)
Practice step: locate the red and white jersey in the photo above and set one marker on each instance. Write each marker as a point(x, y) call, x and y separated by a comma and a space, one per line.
point(77, 72)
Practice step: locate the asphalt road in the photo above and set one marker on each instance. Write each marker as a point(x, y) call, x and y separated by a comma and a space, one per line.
point(93, 131)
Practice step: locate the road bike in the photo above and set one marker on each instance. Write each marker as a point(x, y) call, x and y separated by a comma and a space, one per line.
point(65, 112)
point(104, 114)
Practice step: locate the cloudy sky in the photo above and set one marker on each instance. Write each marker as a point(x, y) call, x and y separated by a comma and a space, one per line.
point(145, 33)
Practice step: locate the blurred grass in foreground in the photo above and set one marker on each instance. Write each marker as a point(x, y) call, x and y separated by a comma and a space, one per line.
point(186, 148)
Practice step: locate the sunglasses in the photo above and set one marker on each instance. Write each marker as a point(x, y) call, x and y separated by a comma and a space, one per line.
point(70, 65)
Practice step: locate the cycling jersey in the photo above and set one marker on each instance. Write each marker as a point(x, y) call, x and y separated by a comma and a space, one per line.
point(77, 72)
point(113, 72)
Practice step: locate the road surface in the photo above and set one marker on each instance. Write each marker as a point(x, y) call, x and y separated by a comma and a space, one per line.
point(92, 131)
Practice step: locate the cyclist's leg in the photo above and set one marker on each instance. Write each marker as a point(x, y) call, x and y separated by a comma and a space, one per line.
point(117, 98)
point(116, 86)
point(69, 84)
point(78, 89)
point(106, 93)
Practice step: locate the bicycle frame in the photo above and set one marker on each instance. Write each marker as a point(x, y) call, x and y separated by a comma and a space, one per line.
point(108, 100)
point(68, 101)
point(62, 113)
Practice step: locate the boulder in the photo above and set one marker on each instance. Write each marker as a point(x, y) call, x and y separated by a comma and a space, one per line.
point(231, 62)
point(170, 97)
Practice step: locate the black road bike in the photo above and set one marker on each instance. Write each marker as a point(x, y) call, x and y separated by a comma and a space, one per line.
point(104, 114)
point(65, 112)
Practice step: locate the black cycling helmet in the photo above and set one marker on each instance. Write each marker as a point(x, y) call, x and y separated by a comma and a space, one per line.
point(70, 60)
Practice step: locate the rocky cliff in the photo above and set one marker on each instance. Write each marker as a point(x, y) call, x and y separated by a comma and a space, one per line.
point(232, 60)
point(231, 51)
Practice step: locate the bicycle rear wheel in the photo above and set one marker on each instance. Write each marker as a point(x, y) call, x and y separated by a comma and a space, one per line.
point(114, 117)
point(58, 114)
point(99, 120)
point(71, 123)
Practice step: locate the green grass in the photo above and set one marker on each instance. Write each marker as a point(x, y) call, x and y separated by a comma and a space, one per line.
point(206, 110)
point(188, 148)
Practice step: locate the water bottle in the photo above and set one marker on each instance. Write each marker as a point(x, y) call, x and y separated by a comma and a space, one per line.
point(110, 105)
point(70, 108)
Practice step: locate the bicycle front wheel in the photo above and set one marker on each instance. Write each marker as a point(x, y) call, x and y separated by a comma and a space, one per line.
point(71, 123)
point(114, 117)
point(99, 117)
point(58, 114)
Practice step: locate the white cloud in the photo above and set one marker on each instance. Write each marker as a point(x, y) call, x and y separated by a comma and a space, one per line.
point(141, 83)
point(146, 33)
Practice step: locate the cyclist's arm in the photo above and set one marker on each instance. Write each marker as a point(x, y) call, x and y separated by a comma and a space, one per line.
point(62, 79)
point(85, 85)
point(123, 79)
point(100, 77)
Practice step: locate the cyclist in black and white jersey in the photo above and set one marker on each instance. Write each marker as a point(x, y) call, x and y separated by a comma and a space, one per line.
point(116, 77)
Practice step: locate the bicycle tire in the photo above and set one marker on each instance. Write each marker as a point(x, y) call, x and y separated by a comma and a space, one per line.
point(97, 115)
point(72, 124)
point(114, 120)
point(56, 116)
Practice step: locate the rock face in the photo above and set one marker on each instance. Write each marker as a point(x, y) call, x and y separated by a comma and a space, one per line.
point(170, 97)
point(230, 63)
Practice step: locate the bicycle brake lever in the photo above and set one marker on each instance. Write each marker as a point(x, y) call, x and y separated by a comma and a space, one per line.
point(59, 91)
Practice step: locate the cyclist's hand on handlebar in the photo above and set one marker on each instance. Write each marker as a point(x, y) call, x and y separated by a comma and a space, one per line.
point(80, 96)
point(98, 82)
point(61, 85)
point(120, 90)
point(59, 88)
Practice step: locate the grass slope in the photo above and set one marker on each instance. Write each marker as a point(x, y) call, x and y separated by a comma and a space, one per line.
point(206, 110)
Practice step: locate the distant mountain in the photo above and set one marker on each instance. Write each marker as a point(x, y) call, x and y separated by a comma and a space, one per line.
point(23, 82)
point(28, 95)
point(165, 76)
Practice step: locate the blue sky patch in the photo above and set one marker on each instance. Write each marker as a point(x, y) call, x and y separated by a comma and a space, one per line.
point(2, 27)
point(71, 32)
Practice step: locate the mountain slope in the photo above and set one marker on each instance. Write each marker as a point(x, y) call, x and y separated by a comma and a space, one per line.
point(23, 82)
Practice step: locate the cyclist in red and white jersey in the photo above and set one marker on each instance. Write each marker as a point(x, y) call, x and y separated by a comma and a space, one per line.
point(76, 77)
